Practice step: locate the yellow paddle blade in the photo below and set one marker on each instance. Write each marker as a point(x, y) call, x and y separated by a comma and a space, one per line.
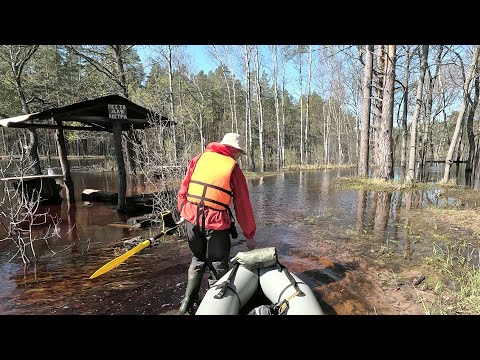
point(117, 261)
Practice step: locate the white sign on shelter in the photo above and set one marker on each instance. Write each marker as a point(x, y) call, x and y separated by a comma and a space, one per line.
point(117, 111)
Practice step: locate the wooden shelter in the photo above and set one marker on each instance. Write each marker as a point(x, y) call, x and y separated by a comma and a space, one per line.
point(112, 113)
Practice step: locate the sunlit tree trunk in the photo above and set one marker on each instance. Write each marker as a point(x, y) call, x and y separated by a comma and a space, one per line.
point(200, 115)
point(172, 104)
point(248, 113)
point(301, 106)
point(426, 134)
point(326, 132)
point(307, 104)
point(377, 110)
point(260, 111)
point(366, 105)
point(418, 104)
point(273, 49)
point(282, 130)
point(471, 137)
point(232, 78)
point(385, 168)
point(227, 83)
point(129, 136)
point(461, 114)
point(403, 156)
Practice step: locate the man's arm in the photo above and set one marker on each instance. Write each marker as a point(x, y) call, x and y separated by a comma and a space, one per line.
point(243, 207)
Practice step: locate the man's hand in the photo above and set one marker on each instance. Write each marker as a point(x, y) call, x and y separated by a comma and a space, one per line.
point(251, 244)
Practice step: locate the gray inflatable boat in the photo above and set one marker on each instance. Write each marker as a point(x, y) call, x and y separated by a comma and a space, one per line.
point(254, 271)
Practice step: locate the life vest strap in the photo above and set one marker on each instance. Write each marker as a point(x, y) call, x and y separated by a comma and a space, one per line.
point(281, 308)
point(226, 285)
point(203, 199)
point(212, 186)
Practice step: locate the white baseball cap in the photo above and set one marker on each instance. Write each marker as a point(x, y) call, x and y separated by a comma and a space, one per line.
point(234, 140)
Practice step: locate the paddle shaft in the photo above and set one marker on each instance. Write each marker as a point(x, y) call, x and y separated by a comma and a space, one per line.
point(117, 261)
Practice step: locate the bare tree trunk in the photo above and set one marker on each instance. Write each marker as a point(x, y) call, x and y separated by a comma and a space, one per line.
point(307, 112)
point(418, 104)
point(326, 133)
point(230, 101)
point(461, 114)
point(200, 115)
point(476, 163)
point(403, 158)
point(470, 134)
point(301, 107)
point(340, 158)
point(172, 104)
point(366, 105)
point(377, 114)
point(260, 111)
point(428, 113)
point(282, 136)
point(129, 138)
point(273, 49)
point(248, 112)
point(385, 168)
point(232, 78)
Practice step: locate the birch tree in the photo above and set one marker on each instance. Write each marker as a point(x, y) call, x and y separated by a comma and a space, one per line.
point(273, 50)
point(260, 111)
point(307, 104)
point(227, 83)
point(470, 133)
point(282, 136)
point(232, 79)
point(426, 133)
point(379, 72)
point(461, 114)
point(172, 103)
point(248, 112)
point(406, 88)
point(418, 104)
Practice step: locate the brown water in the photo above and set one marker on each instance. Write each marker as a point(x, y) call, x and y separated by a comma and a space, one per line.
point(322, 234)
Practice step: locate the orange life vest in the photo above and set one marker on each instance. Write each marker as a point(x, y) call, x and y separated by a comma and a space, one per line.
point(210, 181)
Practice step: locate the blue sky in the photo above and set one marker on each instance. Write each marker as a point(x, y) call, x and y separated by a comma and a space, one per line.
point(202, 60)
point(198, 53)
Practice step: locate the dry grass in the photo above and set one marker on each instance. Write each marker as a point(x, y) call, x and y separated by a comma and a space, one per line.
point(360, 183)
point(317, 167)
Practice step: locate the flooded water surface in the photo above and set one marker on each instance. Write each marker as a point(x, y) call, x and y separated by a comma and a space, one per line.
point(335, 240)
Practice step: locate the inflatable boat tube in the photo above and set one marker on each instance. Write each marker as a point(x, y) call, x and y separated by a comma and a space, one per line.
point(238, 292)
point(277, 287)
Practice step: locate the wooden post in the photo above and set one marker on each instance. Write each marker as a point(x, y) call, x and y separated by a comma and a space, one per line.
point(129, 138)
point(62, 153)
point(117, 142)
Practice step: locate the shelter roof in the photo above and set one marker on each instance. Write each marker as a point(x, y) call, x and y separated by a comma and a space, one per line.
point(97, 114)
